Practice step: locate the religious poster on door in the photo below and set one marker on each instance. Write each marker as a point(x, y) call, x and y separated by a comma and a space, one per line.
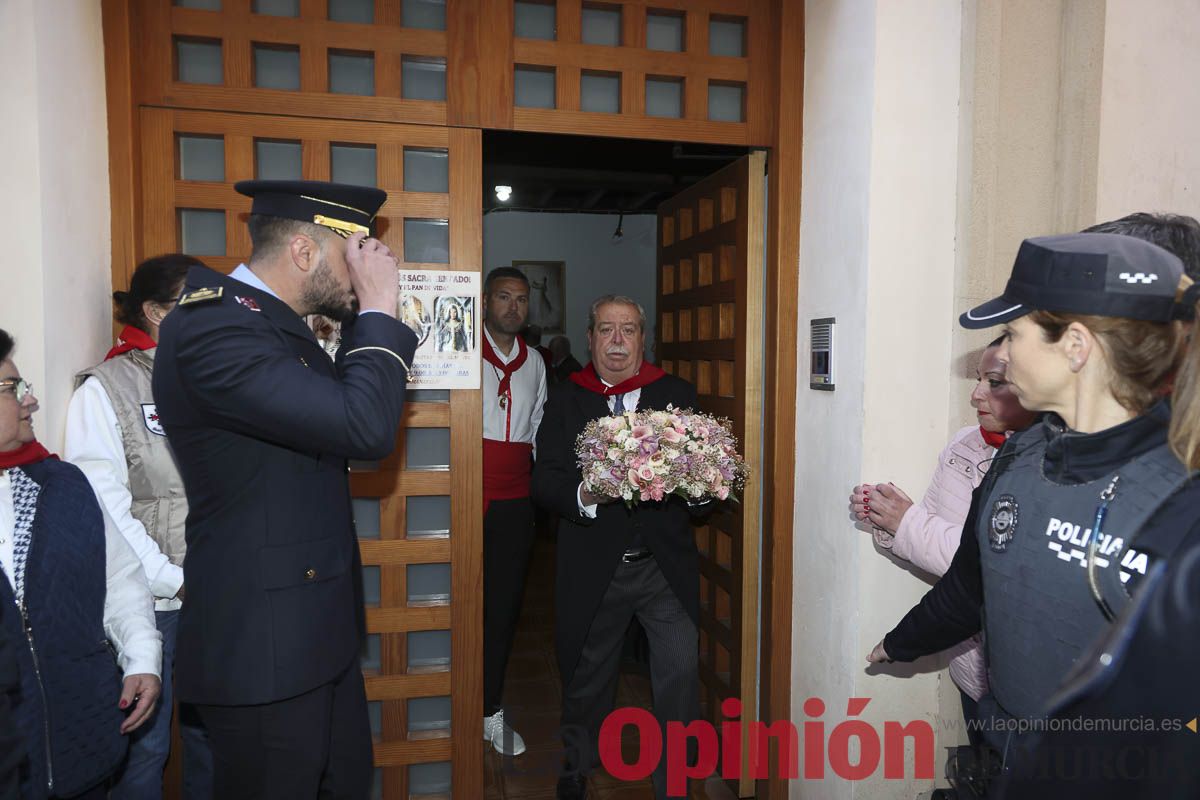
point(442, 309)
point(547, 294)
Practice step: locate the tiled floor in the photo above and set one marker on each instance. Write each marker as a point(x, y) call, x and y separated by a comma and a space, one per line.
point(533, 696)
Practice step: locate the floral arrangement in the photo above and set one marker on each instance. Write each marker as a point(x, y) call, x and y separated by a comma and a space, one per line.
point(643, 456)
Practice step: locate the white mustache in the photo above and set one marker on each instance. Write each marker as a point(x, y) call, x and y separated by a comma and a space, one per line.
point(616, 351)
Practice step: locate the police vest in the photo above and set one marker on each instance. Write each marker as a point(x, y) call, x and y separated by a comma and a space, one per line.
point(159, 501)
point(1040, 609)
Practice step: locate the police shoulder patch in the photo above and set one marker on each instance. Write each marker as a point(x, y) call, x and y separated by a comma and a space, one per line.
point(205, 295)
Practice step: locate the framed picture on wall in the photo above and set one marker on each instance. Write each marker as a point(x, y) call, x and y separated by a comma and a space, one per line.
point(547, 294)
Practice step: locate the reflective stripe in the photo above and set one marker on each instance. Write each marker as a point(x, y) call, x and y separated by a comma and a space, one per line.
point(971, 313)
point(382, 350)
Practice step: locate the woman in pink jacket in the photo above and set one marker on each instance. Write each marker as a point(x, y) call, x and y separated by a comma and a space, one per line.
point(927, 533)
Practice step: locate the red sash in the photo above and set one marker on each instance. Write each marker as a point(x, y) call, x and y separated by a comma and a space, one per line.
point(507, 468)
point(588, 379)
point(506, 370)
point(25, 454)
point(131, 338)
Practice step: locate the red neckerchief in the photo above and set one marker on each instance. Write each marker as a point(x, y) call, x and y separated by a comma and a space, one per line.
point(506, 371)
point(131, 338)
point(588, 379)
point(995, 440)
point(25, 454)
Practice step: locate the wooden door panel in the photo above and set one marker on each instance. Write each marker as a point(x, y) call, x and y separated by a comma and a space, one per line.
point(710, 311)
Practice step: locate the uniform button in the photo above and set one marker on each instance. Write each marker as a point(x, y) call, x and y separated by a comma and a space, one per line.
point(309, 574)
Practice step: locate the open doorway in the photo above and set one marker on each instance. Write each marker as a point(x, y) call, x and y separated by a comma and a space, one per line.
point(584, 217)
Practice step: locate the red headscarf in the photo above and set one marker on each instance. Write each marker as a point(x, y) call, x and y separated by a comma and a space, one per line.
point(588, 379)
point(29, 453)
point(131, 338)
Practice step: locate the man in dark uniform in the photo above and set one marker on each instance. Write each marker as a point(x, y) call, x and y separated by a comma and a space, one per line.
point(616, 563)
point(261, 423)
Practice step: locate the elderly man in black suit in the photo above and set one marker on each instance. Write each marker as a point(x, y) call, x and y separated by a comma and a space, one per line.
point(616, 563)
point(261, 423)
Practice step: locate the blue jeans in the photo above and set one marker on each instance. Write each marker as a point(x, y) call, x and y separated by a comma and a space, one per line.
point(142, 776)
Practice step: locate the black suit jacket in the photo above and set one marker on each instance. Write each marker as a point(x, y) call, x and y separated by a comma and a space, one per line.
point(590, 550)
point(261, 423)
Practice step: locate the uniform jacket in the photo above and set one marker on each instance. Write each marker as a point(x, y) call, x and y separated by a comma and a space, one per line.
point(262, 423)
point(83, 588)
point(590, 549)
point(114, 435)
point(930, 531)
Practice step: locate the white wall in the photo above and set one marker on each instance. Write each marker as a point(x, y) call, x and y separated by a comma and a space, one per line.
point(54, 169)
point(596, 265)
point(877, 239)
point(1150, 109)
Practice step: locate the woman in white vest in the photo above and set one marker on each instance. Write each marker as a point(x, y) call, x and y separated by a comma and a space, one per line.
point(114, 436)
point(1075, 511)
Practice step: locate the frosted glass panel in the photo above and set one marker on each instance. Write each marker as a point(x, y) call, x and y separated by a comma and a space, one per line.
point(428, 14)
point(727, 37)
point(427, 395)
point(600, 93)
point(370, 575)
point(426, 170)
point(427, 241)
point(423, 78)
point(375, 714)
point(352, 11)
point(370, 656)
point(534, 20)
point(202, 232)
point(198, 62)
point(277, 8)
point(602, 26)
point(352, 73)
point(664, 98)
point(276, 68)
point(725, 102)
point(427, 714)
point(429, 779)
point(202, 158)
point(277, 161)
point(427, 516)
point(366, 516)
point(427, 448)
point(664, 32)
point(428, 651)
point(428, 583)
point(353, 164)
point(206, 5)
point(534, 87)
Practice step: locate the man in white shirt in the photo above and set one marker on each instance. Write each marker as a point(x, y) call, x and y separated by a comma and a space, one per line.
point(514, 391)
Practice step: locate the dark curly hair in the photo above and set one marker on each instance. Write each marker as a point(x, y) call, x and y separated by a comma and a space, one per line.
point(6, 345)
point(158, 280)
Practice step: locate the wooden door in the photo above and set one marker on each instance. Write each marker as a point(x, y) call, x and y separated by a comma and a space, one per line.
point(710, 318)
point(418, 512)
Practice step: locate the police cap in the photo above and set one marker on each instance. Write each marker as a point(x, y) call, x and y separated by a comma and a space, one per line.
point(1101, 274)
point(342, 208)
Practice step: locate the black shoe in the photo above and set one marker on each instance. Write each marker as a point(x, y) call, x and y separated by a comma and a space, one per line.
point(572, 787)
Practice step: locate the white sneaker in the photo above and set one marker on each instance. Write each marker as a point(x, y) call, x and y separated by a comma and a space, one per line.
point(506, 741)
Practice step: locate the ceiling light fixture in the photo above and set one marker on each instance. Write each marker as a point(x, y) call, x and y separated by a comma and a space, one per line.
point(503, 193)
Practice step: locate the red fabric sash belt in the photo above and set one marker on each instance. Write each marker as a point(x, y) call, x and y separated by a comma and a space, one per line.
point(131, 338)
point(507, 468)
point(588, 379)
point(25, 454)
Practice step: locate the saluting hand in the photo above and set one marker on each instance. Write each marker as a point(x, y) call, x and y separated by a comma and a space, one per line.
point(142, 691)
point(373, 275)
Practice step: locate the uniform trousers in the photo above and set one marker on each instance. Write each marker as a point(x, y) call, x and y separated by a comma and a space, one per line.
point(315, 745)
point(508, 534)
point(638, 589)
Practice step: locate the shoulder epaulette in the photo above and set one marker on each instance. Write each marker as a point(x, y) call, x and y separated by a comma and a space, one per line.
point(205, 295)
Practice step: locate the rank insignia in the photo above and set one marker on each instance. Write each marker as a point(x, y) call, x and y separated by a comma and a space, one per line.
point(248, 302)
point(205, 295)
point(1003, 523)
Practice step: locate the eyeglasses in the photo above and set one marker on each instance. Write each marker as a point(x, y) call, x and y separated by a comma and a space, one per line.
point(21, 388)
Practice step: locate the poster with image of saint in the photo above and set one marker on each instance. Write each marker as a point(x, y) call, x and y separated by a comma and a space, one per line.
point(442, 309)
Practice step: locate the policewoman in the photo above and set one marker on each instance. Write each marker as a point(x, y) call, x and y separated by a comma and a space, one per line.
point(1076, 509)
point(262, 423)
